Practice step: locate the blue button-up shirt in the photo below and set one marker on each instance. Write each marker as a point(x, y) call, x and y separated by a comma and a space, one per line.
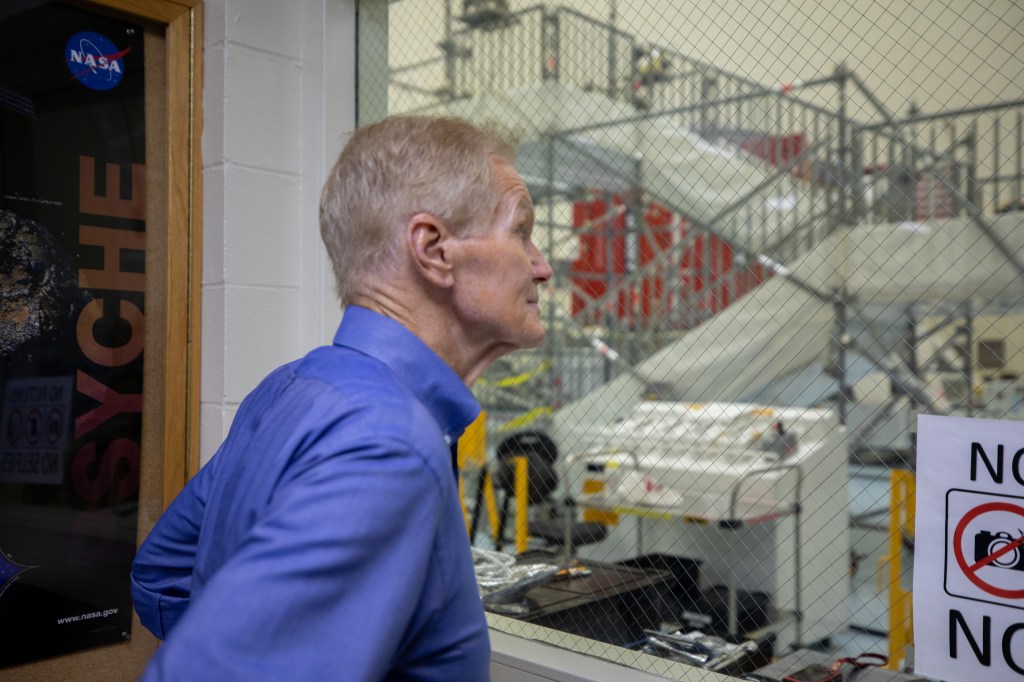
point(325, 539)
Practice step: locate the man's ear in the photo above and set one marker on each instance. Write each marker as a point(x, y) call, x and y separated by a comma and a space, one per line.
point(430, 244)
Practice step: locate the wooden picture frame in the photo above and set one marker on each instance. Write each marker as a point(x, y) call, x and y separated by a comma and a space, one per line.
point(175, 201)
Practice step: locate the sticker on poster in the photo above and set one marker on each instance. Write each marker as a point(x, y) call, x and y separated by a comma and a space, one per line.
point(34, 429)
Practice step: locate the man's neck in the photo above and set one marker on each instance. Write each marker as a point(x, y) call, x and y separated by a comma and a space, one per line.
point(429, 320)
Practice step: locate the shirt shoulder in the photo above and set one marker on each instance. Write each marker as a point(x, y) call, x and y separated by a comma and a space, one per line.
point(340, 383)
point(333, 403)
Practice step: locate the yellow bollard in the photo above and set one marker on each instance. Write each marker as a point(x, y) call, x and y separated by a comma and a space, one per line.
point(522, 487)
point(492, 507)
point(901, 519)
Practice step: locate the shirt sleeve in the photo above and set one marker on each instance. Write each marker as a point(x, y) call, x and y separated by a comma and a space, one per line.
point(326, 584)
point(161, 580)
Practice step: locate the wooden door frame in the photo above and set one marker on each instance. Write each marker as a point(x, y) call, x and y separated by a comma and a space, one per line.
point(179, 195)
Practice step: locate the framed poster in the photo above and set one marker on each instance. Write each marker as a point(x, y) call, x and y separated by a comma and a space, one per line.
point(93, 341)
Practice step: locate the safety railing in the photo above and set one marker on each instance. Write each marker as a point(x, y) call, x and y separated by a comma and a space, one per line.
point(499, 58)
point(983, 145)
point(851, 159)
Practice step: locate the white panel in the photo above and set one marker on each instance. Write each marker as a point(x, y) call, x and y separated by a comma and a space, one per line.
point(213, 26)
point(213, 107)
point(261, 335)
point(279, 94)
point(214, 224)
point(340, 76)
point(262, 110)
point(216, 421)
point(211, 417)
point(262, 232)
point(269, 25)
point(212, 341)
point(328, 114)
point(340, 107)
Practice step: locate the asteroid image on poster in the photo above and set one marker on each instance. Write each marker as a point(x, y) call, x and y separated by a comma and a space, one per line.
point(39, 294)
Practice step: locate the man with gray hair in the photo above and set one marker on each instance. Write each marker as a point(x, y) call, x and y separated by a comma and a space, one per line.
point(325, 539)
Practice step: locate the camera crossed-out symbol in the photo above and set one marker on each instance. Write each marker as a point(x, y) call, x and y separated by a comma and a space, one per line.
point(991, 561)
point(998, 549)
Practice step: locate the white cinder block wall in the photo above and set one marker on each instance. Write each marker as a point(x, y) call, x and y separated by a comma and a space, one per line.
point(278, 96)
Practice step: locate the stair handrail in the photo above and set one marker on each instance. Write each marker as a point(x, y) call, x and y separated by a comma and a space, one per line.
point(705, 227)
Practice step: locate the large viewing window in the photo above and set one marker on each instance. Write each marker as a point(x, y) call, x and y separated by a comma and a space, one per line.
point(779, 232)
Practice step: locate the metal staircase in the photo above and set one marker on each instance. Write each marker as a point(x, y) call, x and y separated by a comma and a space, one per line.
point(770, 171)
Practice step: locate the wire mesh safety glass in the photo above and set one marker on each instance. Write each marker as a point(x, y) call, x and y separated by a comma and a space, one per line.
point(779, 232)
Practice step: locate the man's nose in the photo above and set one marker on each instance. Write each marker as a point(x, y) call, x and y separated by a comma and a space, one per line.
point(542, 271)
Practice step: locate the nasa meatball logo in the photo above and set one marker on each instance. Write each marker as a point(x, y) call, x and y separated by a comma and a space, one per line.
point(94, 61)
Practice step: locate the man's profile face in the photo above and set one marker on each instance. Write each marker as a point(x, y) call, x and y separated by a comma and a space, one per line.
point(501, 271)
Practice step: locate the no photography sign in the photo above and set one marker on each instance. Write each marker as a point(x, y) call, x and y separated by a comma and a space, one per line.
point(969, 549)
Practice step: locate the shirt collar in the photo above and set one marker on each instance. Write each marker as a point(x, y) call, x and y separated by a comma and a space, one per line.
point(417, 367)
